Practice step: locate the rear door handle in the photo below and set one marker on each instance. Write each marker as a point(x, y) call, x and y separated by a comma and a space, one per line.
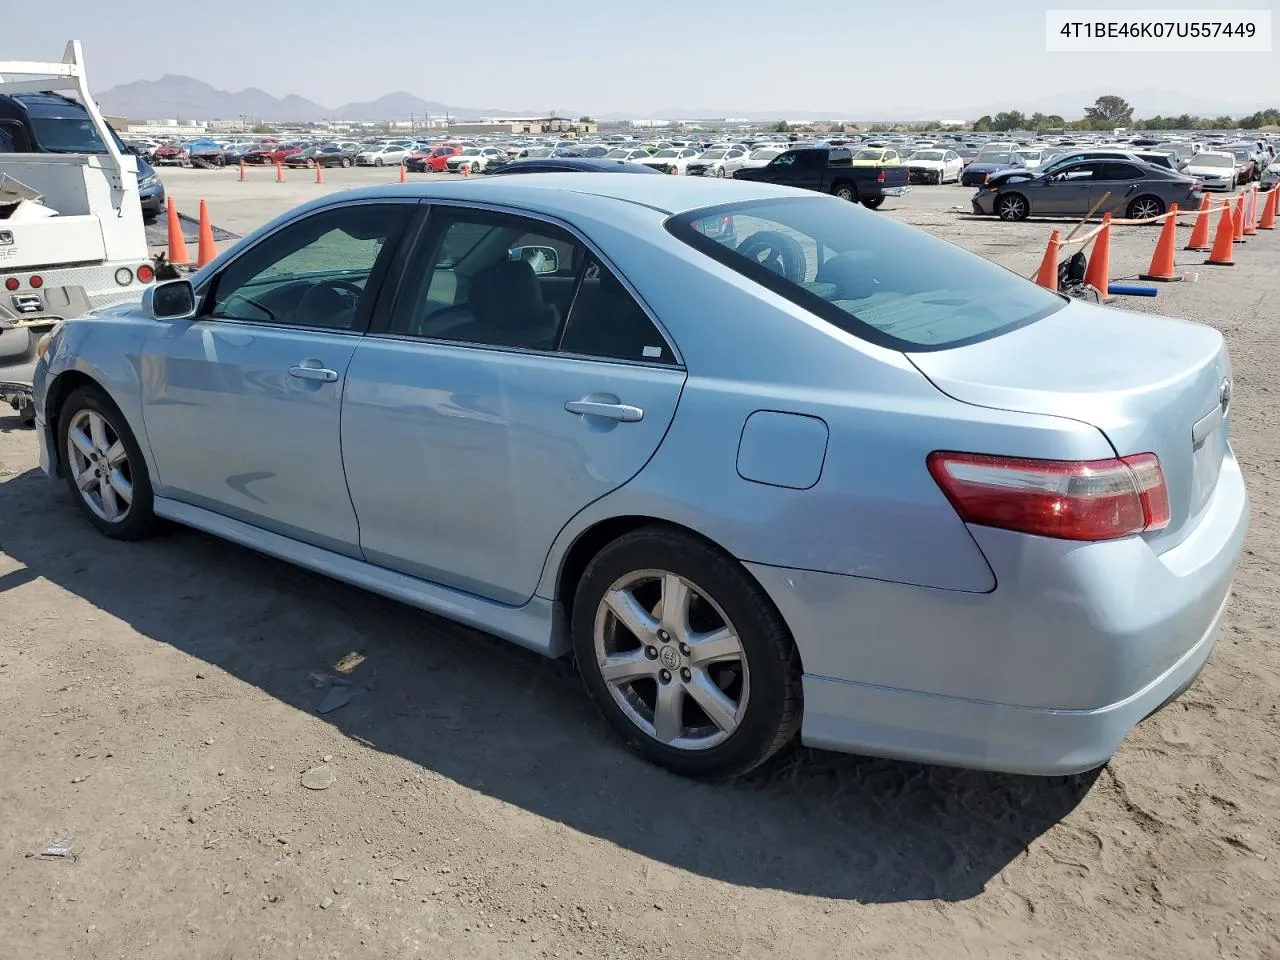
point(323, 374)
point(610, 411)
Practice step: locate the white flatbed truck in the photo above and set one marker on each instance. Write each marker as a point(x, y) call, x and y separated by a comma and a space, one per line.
point(72, 238)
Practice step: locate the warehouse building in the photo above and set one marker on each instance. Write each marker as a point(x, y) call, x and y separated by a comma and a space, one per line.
point(501, 125)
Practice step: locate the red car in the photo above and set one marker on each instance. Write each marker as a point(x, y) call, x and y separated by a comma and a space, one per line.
point(273, 153)
point(421, 161)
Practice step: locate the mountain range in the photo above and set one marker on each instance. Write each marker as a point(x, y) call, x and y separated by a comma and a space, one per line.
point(185, 98)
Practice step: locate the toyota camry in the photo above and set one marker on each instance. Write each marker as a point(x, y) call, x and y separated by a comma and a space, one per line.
point(765, 463)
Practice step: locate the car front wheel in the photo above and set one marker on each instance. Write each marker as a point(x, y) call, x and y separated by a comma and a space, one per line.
point(1012, 206)
point(684, 655)
point(103, 466)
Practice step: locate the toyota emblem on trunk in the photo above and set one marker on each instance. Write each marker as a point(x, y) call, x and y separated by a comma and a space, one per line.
point(1224, 395)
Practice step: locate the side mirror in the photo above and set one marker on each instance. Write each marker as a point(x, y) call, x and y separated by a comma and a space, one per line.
point(173, 300)
point(544, 260)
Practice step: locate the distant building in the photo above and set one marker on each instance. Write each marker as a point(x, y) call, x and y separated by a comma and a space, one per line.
point(502, 125)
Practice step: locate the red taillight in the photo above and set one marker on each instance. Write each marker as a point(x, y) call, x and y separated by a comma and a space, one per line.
point(880, 177)
point(145, 274)
point(1069, 500)
point(36, 281)
point(11, 283)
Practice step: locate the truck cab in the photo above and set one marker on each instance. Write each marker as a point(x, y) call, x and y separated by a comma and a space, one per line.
point(72, 238)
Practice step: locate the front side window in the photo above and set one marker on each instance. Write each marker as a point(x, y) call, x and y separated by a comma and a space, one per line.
point(313, 273)
point(522, 283)
point(863, 273)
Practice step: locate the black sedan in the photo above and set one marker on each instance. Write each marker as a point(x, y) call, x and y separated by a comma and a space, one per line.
point(328, 155)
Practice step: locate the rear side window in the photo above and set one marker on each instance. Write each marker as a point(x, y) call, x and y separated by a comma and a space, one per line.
point(883, 281)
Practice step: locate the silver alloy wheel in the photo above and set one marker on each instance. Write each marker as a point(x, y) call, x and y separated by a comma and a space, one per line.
point(1012, 207)
point(671, 659)
point(100, 465)
point(1143, 209)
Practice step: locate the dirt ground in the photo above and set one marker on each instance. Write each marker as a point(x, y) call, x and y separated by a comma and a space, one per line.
point(159, 708)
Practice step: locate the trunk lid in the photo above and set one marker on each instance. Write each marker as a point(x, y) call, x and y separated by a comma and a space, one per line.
point(1150, 384)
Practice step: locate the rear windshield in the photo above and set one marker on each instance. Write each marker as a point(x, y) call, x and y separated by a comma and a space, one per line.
point(867, 274)
point(868, 155)
point(998, 157)
point(1213, 160)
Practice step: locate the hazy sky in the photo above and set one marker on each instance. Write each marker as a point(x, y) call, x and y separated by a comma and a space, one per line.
point(639, 57)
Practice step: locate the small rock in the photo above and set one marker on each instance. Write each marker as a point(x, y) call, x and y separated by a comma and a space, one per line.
point(222, 773)
point(208, 741)
point(437, 891)
point(534, 938)
point(657, 906)
point(199, 676)
point(327, 757)
point(79, 779)
point(335, 698)
point(319, 778)
point(226, 888)
point(270, 768)
point(326, 903)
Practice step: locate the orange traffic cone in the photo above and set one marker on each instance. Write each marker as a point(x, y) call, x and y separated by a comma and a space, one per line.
point(1048, 275)
point(319, 172)
point(1251, 213)
point(1268, 221)
point(279, 172)
point(1223, 239)
point(1162, 265)
point(1200, 233)
point(403, 178)
point(242, 171)
point(1099, 268)
point(177, 244)
point(206, 251)
point(1237, 220)
point(466, 169)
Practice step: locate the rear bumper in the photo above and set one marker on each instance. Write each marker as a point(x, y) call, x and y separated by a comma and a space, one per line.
point(1046, 674)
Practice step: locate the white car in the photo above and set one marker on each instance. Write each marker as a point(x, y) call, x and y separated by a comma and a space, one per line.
point(387, 154)
point(1033, 157)
point(717, 162)
point(1214, 169)
point(473, 159)
point(627, 154)
point(672, 160)
point(761, 157)
point(934, 166)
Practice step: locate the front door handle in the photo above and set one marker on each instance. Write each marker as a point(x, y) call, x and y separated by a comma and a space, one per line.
point(323, 374)
point(610, 411)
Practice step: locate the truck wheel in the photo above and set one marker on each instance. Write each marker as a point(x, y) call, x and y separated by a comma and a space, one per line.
point(844, 190)
point(872, 203)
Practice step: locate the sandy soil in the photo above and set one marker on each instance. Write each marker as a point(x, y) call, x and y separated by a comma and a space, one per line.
point(159, 708)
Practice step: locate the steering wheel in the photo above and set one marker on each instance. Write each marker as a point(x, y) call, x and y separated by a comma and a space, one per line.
point(345, 290)
point(776, 252)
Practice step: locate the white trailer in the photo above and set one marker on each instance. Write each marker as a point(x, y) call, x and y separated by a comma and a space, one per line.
point(71, 232)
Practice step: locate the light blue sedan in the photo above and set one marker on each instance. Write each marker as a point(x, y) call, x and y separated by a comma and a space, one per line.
point(764, 462)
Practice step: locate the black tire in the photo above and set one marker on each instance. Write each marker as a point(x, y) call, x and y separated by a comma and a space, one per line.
point(774, 706)
point(140, 519)
point(346, 162)
point(872, 203)
point(1144, 206)
point(844, 190)
point(1012, 206)
point(378, 162)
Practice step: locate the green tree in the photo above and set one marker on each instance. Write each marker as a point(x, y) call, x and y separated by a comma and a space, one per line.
point(1224, 122)
point(1262, 118)
point(263, 128)
point(982, 124)
point(585, 120)
point(781, 127)
point(1009, 120)
point(1109, 111)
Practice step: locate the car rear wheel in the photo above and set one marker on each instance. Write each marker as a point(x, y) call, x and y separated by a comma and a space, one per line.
point(684, 655)
point(845, 191)
point(1144, 208)
point(873, 203)
point(1012, 206)
point(720, 172)
point(103, 466)
point(346, 161)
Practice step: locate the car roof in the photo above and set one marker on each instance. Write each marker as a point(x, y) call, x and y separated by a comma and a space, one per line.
point(539, 192)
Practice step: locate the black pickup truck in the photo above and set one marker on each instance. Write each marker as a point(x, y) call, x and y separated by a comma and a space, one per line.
point(830, 170)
